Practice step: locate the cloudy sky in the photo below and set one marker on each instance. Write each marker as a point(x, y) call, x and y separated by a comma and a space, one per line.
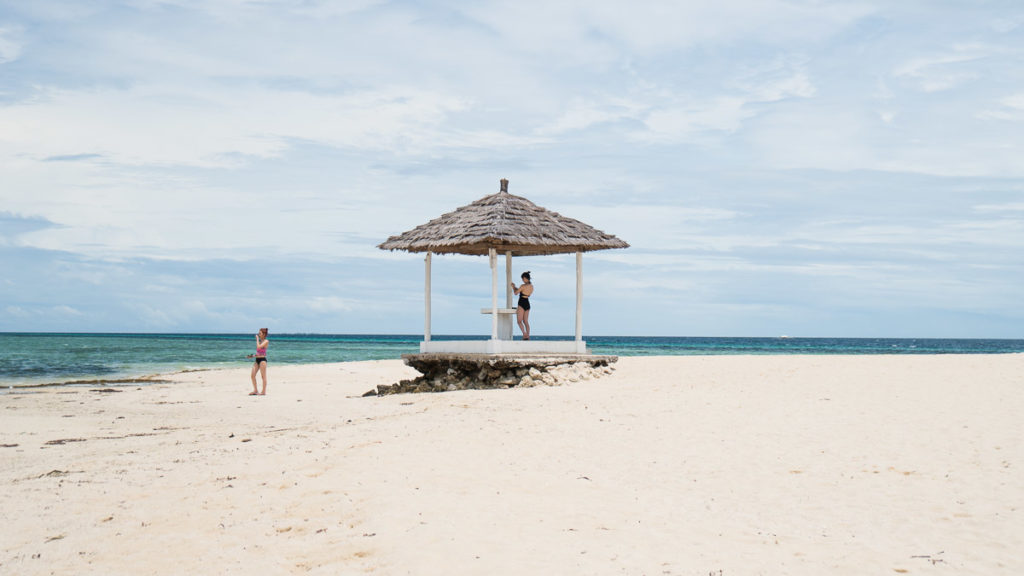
point(799, 167)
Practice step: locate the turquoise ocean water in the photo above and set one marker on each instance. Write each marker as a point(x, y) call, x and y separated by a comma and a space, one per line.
point(35, 359)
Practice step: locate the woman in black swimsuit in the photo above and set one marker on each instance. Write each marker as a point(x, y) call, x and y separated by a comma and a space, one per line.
point(523, 308)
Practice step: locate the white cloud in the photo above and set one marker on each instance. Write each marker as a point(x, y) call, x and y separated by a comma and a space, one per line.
point(229, 9)
point(1010, 108)
point(906, 136)
point(168, 125)
point(153, 316)
point(650, 26)
point(65, 310)
point(659, 227)
point(783, 77)
point(10, 46)
point(1003, 24)
point(719, 114)
point(329, 304)
point(16, 311)
point(1000, 208)
point(669, 117)
point(580, 115)
point(939, 72)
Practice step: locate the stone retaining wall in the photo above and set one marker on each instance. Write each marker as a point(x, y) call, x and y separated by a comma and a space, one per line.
point(448, 372)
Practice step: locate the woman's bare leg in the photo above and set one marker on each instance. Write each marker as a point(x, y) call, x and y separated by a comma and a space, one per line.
point(255, 367)
point(263, 373)
point(520, 314)
point(526, 322)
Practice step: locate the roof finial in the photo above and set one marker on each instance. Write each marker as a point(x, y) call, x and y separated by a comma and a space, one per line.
point(504, 185)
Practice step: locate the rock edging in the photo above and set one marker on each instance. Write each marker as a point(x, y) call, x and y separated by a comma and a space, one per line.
point(450, 372)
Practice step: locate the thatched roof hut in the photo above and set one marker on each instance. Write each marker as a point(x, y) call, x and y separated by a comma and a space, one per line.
point(507, 223)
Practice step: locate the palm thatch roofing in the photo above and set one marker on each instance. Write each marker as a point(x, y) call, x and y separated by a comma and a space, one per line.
point(507, 223)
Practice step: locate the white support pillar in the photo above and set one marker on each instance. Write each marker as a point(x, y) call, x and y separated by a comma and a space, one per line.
point(493, 254)
point(426, 300)
point(508, 280)
point(579, 296)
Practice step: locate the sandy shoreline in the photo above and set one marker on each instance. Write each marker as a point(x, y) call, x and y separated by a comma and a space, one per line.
point(671, 465)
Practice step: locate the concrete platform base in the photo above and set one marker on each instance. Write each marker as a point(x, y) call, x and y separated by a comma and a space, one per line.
point(503, 347)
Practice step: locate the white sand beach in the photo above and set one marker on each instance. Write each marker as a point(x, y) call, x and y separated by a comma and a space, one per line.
point(671, 465)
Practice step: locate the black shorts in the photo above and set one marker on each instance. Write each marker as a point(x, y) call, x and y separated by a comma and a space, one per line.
point(261, 359)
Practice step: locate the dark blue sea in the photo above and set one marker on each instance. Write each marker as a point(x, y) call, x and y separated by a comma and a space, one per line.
point(35, 359)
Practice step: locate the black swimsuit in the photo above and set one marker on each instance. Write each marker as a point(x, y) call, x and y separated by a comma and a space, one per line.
point(524, 302)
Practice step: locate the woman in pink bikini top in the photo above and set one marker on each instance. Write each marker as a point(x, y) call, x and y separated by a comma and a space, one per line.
point(261, 362)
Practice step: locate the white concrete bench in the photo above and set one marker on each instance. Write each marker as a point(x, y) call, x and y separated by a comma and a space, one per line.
point(505, 316)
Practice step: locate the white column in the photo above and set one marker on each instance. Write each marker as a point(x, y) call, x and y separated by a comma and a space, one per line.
point(493, 254)
point(579, 296)
point(508, 280)
point(426, 300)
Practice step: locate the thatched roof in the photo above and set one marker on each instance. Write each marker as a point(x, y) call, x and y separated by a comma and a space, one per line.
point(507, 223)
